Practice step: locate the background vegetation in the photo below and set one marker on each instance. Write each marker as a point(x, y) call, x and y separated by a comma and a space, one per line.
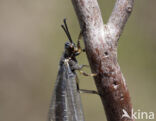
point(32, 41)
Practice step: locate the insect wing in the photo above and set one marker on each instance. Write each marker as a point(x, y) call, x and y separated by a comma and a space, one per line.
point(59, 106)
point(73, 97)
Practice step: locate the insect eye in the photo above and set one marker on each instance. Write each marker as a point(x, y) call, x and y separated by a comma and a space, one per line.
point(67, 45)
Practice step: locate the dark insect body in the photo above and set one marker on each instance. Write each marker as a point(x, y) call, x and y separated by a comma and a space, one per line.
point(66, 102)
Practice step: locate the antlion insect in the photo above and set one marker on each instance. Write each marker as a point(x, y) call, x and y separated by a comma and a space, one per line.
point(66, 102)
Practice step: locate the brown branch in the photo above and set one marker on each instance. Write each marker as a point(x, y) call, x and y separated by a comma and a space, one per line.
point(101, 48)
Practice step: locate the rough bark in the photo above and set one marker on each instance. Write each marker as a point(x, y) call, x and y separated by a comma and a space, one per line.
point(101, 47)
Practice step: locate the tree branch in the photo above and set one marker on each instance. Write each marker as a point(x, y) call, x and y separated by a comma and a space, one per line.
point(119, 16)
point(101, 48)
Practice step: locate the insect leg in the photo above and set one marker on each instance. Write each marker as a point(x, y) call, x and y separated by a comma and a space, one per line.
point(84, 90)
point(85, 74)
point(78, 67)
point(77, 83)
point(78, 43)
point(78, 40)
point(88, 91)
point(75, 66)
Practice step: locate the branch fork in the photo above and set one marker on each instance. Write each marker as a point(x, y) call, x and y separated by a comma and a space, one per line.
point(101, 42)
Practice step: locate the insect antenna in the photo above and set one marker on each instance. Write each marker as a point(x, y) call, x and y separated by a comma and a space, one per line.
point(65, 31)
point(65, 28)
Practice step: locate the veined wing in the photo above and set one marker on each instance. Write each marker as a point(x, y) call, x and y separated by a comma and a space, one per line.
point(58, 108)
point(66, 101)
point(73, 96)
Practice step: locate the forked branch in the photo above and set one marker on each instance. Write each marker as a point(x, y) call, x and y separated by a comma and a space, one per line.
point(101, 47)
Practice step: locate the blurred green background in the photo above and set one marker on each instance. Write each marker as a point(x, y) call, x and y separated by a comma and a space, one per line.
point(32, 41)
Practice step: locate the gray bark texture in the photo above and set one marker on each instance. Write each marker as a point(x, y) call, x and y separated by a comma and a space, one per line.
point(101, 42)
